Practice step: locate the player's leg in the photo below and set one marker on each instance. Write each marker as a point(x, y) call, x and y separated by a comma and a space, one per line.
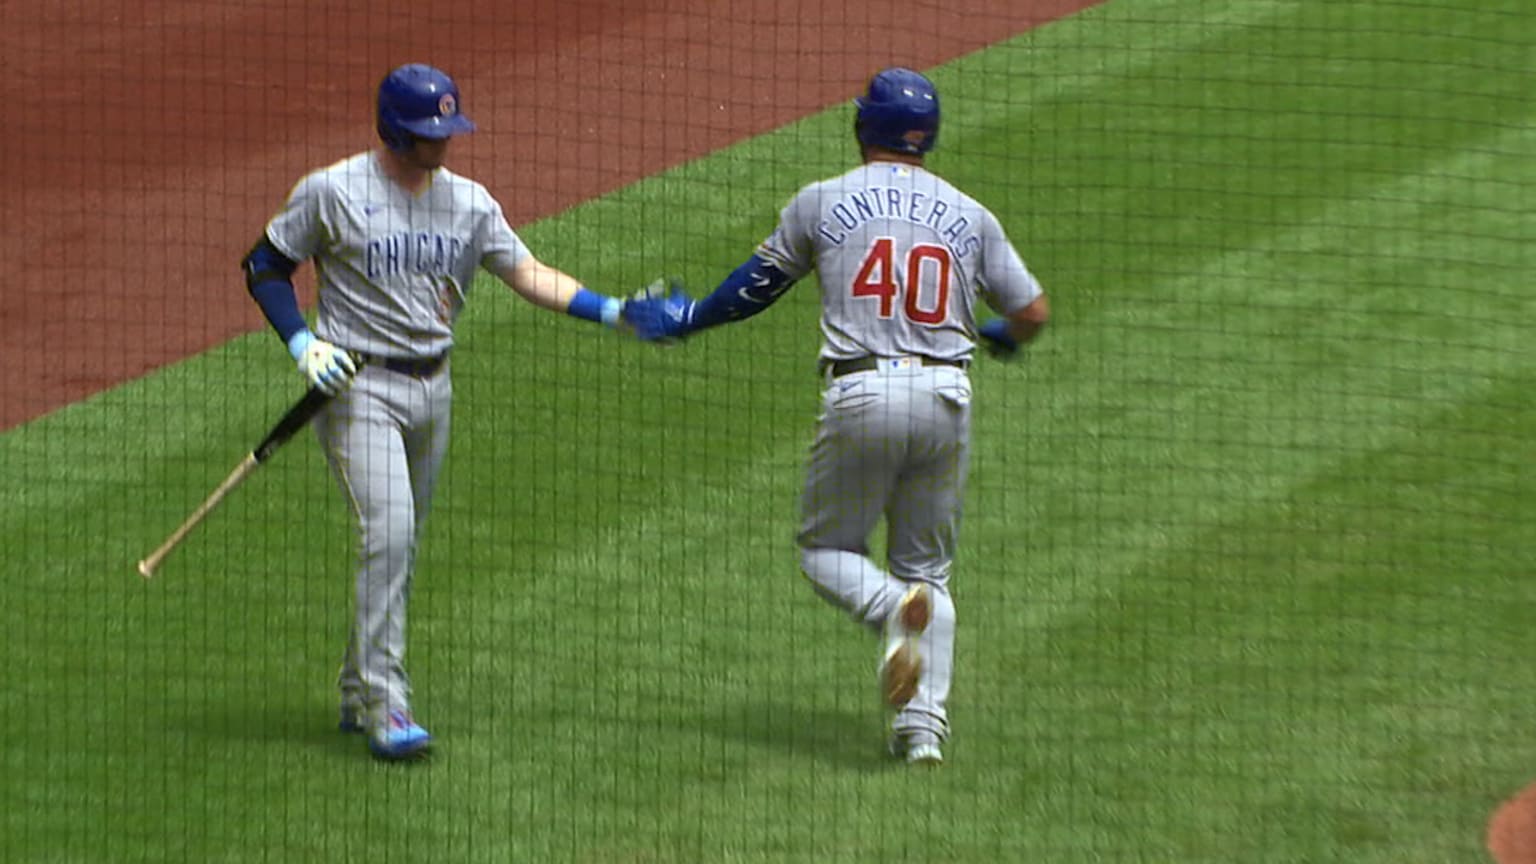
point(349, 680)
point(852, 466)
point(424, 408)
point(923, 522)
point(361, 436)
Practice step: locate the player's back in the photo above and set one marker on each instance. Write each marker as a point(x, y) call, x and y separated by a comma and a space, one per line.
point(899, 252)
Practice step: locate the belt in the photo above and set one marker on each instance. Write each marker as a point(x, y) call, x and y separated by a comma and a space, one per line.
point(416, 367)
point(865, 364)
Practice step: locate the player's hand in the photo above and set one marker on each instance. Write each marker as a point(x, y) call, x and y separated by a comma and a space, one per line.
point(322, 364)
point(660, 312)
point(998, 340)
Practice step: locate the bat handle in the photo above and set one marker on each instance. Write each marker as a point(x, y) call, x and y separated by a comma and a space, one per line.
point(148, 566)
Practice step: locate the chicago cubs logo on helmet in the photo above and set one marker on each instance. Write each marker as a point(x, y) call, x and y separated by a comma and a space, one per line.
point(899, 111)
point(419, 101)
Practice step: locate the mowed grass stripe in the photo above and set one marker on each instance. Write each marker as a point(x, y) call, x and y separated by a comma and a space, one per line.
point(1348, 672)
point(1259, 395)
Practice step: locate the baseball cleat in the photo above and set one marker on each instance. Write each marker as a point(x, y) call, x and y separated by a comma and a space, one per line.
point(925, 754)
point(903, 664)
point(351, 719)
point(398, 738)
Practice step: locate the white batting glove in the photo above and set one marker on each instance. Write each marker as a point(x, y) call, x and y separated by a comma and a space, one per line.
point(322, 364)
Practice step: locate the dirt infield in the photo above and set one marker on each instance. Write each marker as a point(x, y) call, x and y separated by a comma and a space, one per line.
point(154, 139)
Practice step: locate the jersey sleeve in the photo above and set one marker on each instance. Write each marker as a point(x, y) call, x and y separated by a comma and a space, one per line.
point(1006, 282)
point(789, 248)
point(299, 229)
point(501, 249)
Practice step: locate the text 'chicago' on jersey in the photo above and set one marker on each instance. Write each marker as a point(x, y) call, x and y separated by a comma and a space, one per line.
point(405, 252)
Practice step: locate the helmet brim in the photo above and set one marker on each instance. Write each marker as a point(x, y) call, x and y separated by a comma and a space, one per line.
point(437, 128)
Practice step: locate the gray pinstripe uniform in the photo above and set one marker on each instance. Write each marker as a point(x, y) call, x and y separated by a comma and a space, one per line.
point(902, 257)
point(393, 270)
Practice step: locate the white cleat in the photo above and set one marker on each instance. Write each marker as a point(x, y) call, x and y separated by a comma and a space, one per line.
point(903, 663)
point(925, 754)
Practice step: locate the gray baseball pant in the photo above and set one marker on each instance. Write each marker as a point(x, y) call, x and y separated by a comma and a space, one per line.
point(385, 438)
point(891, 443)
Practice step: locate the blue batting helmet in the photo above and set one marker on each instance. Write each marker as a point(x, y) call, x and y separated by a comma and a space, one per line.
point(418, 101)
point(900, 111)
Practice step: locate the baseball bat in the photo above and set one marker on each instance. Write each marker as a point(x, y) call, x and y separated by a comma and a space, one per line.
point(301, 413)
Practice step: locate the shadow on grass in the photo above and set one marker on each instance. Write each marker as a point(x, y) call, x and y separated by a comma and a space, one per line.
point(850, 736)
point(315, 731)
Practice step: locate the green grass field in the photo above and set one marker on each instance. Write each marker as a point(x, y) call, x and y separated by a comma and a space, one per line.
point(1246, 571)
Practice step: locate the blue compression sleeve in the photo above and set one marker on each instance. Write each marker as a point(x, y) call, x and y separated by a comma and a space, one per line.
point(749, 289)
point(592, 306)
point(281, 306)
point(269, 278)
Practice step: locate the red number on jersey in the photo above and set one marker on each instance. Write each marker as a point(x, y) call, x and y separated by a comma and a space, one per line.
point(939, 255)
point(877, 278)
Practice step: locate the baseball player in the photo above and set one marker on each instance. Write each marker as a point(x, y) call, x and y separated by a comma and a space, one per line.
point(902, 257)
point(396, 240)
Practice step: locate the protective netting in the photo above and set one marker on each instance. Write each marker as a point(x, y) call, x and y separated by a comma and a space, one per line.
point(1244, 568)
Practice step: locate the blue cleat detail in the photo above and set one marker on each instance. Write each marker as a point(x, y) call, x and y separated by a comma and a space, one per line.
point(399, 738)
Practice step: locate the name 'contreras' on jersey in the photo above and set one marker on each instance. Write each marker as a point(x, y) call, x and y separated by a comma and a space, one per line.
point(902, 256)
point(392, 268)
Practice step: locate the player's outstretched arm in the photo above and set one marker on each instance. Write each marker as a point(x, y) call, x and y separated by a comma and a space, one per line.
point(750, 289)
point(549, 288)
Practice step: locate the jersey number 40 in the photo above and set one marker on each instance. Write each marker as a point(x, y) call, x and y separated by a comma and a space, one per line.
point(878, 278)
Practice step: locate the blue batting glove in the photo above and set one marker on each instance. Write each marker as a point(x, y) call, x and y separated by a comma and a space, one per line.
point(1000, 342)
point(660, 318)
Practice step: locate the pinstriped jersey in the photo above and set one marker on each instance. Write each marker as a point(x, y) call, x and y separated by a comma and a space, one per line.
point(902, 256)
point(392, 268)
